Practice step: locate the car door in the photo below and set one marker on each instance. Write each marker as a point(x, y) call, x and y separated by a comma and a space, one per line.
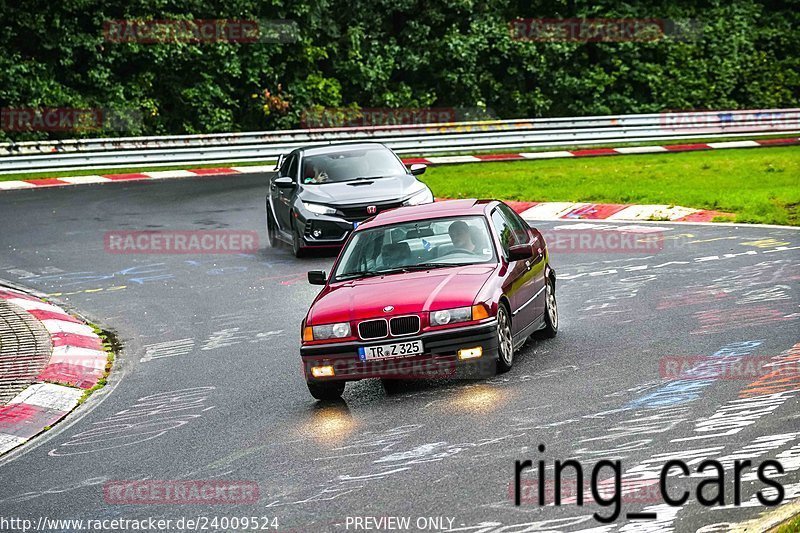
point(519, 285)
point(535, 265)
point(282, 198)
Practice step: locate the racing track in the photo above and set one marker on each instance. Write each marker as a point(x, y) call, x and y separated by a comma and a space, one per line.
point(434, 449)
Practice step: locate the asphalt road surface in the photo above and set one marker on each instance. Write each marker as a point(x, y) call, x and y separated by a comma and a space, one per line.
point(209, 384)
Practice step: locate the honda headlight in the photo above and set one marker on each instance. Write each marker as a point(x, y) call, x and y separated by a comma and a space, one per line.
point(450, 316)
point(331, 331)
point(319, 209)
point(425, 196)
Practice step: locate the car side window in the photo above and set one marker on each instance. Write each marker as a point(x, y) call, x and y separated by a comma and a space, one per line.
point(509, 227)
point(284, 170)
point(504, 231)
point(293, 168)
point(519, 227)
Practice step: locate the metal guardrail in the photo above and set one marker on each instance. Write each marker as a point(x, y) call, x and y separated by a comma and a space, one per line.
point(426, 139)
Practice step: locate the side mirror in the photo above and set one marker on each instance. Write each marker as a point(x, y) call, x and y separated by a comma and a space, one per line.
point(284, 182)
point(520, 252)
point(417, 168)
point(317, 277)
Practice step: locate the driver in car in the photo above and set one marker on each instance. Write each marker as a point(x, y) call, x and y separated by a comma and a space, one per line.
point(313, 174)
point(460, 236)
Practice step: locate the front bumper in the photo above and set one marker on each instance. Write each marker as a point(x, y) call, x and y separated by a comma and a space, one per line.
point(439, 360)
point(324, 230)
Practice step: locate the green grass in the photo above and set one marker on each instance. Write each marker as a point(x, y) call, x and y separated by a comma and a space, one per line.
point(758, 185)
point(133, 170)
point(790, 526)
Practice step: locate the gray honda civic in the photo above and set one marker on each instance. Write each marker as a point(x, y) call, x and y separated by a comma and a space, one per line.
point(321, 193)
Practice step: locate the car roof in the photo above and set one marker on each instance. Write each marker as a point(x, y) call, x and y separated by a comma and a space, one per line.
point(439, 209)
point(339, 147)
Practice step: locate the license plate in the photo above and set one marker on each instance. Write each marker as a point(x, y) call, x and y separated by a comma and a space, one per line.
point(398, 349)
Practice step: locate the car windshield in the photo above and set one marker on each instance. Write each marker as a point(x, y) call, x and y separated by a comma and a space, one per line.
point(418, 245)
point(347, 165)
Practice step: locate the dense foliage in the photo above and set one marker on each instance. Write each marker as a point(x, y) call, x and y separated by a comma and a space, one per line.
point(391, 53)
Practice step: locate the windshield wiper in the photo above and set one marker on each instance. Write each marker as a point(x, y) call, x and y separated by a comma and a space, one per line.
point(426, 266)
point(370, 273)
point(399, 269)
point(357, 274)
point(367, 178)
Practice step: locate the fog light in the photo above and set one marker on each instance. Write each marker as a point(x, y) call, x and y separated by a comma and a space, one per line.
point(322, 371)
point(470, 353)
point(317, 233)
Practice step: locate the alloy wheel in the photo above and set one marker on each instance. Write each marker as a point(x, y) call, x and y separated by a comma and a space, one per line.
point(505, 343)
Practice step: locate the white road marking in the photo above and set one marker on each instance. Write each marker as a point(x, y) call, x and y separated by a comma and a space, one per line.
point(49, 396)
point(167, 349)
point(454, 159)
point(640, 149)
point(35, 304)
point(254, 169)
point(62, 326)
point(160, 174)
point(9, 442)
point(77, 180)
point(649, 212)
point(550, 210)
point(546, 155)
point(16, 184)
point(734, 144)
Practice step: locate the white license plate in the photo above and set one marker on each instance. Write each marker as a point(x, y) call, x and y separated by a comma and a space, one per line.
point(398, 349)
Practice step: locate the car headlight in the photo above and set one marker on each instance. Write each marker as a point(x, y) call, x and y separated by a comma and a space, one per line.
point(331, 331)
point(319, 209)
point(425, 196)
point(451, 316)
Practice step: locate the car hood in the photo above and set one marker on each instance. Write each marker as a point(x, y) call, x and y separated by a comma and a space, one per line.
point(411, 292)
point(359, 192)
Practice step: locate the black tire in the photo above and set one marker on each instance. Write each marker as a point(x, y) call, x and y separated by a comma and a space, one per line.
point(331, 390)
point(272, 230)
point(550, 312)
point(297, 243)
point(505, 340)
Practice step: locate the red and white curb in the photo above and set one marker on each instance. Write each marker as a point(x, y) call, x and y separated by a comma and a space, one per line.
point(77, 359)
point(595, 152)
point(435, 160)
point(589, 211)
point(108, 178)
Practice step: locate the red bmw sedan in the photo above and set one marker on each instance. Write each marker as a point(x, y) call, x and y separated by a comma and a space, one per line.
point(418, 292)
